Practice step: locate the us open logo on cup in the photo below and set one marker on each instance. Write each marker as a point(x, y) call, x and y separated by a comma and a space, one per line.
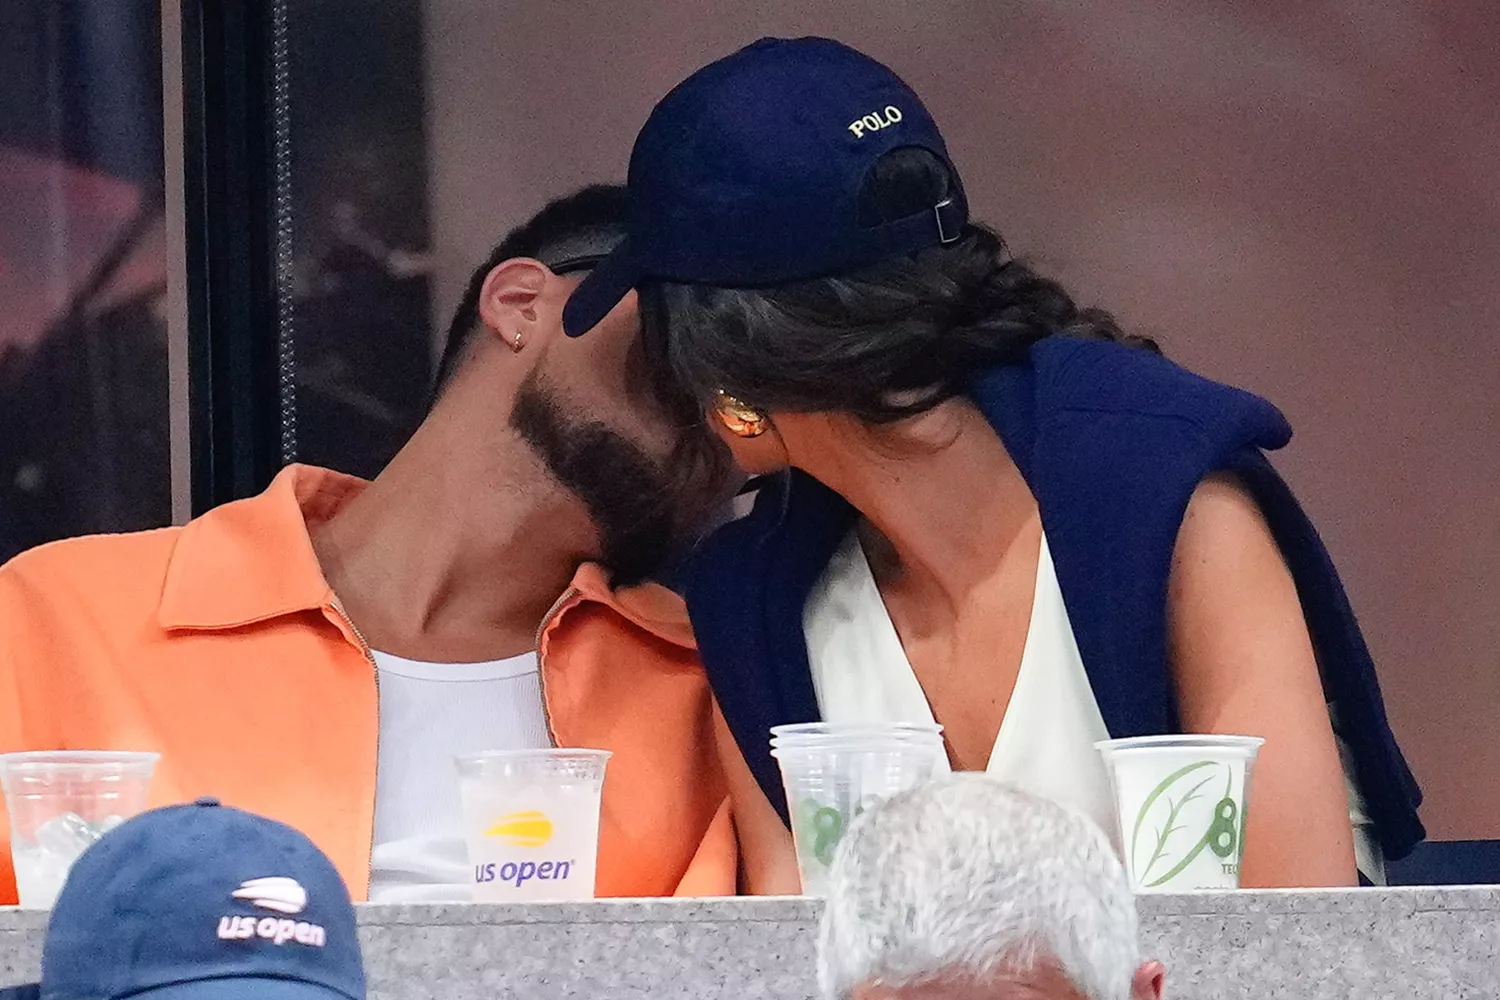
point(280, 895)
point(533, 830)
point(1172, 829)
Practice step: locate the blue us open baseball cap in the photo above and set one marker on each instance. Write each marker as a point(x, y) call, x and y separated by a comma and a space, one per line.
point(749, 173)
point(202, 902)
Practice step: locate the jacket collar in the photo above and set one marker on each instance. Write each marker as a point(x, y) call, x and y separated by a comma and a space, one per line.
point(252, 560)
point(649, 606)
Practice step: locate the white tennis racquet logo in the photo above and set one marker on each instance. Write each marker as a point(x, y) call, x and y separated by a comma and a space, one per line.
point(284, 895)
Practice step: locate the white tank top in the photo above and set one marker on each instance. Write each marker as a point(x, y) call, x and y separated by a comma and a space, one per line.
point(430, 713)
point(1045, 746)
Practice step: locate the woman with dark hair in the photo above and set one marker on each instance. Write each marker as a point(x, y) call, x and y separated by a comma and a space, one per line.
point(985, 506)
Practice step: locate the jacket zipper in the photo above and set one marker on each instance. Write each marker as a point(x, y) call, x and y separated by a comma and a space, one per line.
point(364, 647)
point(541, 672)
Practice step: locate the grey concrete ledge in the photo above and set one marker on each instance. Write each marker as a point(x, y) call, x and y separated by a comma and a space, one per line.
point(1370, 944)
point(1402, 899)
point(778, 909)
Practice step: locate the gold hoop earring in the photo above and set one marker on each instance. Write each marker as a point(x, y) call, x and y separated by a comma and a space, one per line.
point(516, 346)
point(742, 419)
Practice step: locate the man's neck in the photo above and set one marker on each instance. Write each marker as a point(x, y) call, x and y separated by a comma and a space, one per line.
point(457, 550)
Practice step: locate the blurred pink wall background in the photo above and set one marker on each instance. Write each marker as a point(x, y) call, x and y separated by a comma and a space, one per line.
point(56, 219)
point(1297, 196)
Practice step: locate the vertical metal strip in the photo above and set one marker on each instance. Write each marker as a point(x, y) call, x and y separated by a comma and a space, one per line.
point(179, 441)
point(230, 239)
point(283, 208)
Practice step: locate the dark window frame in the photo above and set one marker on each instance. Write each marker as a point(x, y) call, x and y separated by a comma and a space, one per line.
point(236, 230)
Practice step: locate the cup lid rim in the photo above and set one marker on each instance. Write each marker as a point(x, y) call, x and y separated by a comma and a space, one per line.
point(874, 724)
point(76, 758)
point(934, 746)
point(1184, 740)
point(536, 754)
point(873, 734)
point(819, 731)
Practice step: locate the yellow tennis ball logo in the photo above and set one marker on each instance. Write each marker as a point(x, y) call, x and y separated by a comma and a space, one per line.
point(523, 829)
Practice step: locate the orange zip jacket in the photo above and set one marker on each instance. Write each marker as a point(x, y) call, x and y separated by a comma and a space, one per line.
point(219, 645)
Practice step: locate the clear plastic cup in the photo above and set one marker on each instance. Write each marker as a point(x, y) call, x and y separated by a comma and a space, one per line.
point(833, 772)
point(1181, 804)
point(531, 822)
point(60, 802)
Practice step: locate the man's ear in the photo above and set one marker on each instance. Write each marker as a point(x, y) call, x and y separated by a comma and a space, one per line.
point(1149, 982)
point(508, 299)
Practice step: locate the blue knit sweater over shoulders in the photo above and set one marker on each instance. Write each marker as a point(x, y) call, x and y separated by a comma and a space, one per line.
point(1112, 441)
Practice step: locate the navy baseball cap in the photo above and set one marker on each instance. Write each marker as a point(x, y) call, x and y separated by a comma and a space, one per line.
point(203, 902)
point(749, 174)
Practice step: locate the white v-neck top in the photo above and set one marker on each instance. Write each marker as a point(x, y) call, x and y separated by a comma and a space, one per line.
point(1045, 746)
point(1046, 742)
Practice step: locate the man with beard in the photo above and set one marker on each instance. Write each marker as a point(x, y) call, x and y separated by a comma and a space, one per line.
point(320, 652)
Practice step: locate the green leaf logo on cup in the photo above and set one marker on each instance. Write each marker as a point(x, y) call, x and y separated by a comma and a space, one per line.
point(822, 828)
point(1220, 836)
point(1181, 804)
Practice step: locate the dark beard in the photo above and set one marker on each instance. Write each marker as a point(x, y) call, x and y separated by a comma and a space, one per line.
point(627, 494)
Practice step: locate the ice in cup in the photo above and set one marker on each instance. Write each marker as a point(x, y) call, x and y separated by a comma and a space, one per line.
point(1181, 804)
point(833, 772)
point(531, 821)
point(60, 802)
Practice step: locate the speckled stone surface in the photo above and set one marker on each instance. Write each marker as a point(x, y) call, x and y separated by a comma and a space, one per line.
point(1389, 944)
point(636, 949)
point(20, 945)
point(1358, 943)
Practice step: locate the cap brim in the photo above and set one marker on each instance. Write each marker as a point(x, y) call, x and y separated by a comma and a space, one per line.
point(601, 290)
point(244, 988)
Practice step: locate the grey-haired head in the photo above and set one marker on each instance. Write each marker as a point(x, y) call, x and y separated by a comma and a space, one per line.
point(966, 888)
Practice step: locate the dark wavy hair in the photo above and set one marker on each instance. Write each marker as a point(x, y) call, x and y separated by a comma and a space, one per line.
point(885, 342)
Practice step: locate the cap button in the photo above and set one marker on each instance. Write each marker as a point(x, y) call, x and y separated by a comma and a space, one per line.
point(206, 800)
